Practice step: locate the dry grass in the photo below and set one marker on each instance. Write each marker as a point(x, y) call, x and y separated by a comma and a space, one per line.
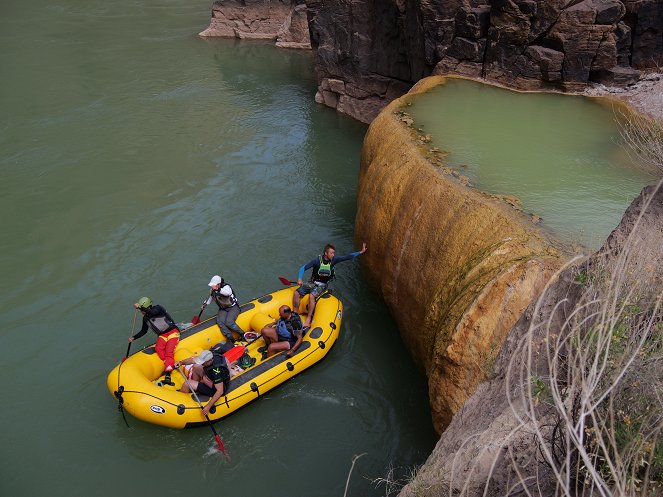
point(595, 403)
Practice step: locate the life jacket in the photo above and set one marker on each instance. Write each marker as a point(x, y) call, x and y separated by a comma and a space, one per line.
point(285, 329)
point(161, 323)
point(219, 363)
point(325, 272)
point(221, 300)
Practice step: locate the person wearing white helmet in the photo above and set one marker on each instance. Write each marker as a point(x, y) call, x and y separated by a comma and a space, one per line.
point(222, 293)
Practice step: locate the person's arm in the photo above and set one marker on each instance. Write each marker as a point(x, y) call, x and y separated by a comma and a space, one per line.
point(142, 331)
point(343, 258)
point(304, 268)
point(184, 362)
point(295, 346)
point(207, 302)
point(297, 328)
point(217, 395)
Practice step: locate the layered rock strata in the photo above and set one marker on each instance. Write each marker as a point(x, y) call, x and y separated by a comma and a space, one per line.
point(456, 267)
point(368, 53)
point(282, 21)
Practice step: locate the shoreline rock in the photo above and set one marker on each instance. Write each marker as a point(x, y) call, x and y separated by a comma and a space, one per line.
point(645, 96)
point(282, 21)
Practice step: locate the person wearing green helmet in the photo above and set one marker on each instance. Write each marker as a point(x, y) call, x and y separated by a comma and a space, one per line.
point(158, 320)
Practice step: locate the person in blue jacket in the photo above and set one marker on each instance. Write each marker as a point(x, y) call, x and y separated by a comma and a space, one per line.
point(322, 274)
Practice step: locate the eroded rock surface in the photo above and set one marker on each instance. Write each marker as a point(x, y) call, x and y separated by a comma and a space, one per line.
point(369, 52)
point(283, 21)
point(456, 267)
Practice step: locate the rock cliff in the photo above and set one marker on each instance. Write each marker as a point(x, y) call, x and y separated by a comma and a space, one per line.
point(369, 52)
point(282, 21)
point(455, 266)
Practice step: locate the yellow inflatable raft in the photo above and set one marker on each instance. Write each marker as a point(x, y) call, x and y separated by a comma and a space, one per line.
point(134, 382)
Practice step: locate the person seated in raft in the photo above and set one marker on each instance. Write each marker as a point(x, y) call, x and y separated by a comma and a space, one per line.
point(209, 376)
point(284, 334)
point(322, 274)
point(158, 320)
point(222, 293)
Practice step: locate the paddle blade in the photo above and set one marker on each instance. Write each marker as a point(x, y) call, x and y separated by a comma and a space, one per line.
point(222, 447)
point(285, 281)
point(195, 320)
point(235, 353)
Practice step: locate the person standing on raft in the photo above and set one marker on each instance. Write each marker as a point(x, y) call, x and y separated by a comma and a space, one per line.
point(322, 274)
point(156, 318)
point(222, 293)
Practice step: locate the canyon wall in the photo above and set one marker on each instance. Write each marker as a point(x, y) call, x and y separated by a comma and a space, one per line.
point(368, 52)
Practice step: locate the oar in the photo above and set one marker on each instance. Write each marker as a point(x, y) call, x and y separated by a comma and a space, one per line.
point(219, 443)
point(118, 392)
point(196, 319)
point(133, 327)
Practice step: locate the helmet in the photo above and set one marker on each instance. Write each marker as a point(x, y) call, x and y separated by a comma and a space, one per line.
point(246, 361)
point(144, 302)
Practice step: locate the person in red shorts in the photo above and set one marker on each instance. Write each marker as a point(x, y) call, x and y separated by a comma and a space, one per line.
point(159, 321)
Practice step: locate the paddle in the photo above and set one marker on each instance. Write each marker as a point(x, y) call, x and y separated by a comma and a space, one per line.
point(133, 327)
point(219, 443)
point(120, 389)
point(196, 319)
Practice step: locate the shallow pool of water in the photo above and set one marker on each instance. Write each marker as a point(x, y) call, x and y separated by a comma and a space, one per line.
point(561, 155)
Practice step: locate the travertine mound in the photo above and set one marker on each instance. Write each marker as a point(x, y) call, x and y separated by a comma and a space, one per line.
point(455, 266)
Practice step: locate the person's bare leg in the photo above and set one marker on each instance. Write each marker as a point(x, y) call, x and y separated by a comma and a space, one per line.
point(295, 301)
point(310, 309)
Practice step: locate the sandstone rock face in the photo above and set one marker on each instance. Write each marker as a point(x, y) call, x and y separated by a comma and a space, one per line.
point(283, 21)
point(455, 266)
point(379, 49)
point(490, 436)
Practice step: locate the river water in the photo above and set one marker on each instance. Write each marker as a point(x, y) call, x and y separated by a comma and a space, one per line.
point(138, 159)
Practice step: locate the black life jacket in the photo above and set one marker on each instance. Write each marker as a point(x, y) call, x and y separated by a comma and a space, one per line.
point(285, 328)
point(219, 363)
point(161, 323)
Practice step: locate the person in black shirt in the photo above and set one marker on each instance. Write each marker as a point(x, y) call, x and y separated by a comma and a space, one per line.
point(158, 320)
point(284, 334)
point(209, 376)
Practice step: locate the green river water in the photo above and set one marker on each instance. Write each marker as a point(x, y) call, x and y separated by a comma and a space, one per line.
point(139, 159)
